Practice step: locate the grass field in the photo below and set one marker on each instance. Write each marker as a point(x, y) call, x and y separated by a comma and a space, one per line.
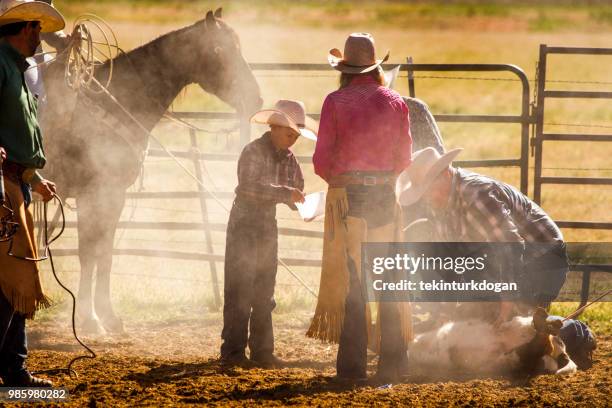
point(430, 32)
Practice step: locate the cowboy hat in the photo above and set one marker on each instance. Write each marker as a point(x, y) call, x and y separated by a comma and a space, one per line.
point(426, 165)
point(359, 55)
point(16, 11)
point(291, 114)
point(391, 76)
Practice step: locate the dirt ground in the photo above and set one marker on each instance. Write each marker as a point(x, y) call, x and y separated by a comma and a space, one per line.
point(175, 363)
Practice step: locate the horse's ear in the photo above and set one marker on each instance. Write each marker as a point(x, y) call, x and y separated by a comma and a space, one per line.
point(219, 12)
point(210, 21)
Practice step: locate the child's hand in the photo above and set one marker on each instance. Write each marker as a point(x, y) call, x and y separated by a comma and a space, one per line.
point(297, 196)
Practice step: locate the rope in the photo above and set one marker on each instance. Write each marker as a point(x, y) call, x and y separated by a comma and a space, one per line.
point(578, 311)
point(82, 60)
point(48, 242)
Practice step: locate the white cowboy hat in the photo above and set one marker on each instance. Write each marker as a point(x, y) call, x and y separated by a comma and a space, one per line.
point(426, 165)
point(291, 114)
point(391, 76)
point(359, 55)
point(16, 11)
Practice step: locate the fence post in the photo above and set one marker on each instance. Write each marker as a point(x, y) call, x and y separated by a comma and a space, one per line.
point(411, 90)
point(204, 210)
point(539, 111)
point(586, 285)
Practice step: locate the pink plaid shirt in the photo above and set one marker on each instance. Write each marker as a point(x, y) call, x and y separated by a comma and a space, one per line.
point(364, 127)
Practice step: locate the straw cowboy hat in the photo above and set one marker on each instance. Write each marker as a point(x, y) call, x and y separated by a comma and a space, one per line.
point(16, 11)
point(426, 165)
point(291, 114)
point(359, 55)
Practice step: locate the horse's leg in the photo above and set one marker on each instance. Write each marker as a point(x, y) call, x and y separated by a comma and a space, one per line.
point(110, 208)
point(88, 235)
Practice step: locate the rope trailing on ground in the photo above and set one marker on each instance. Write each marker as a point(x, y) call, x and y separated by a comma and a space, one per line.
point(49, 255)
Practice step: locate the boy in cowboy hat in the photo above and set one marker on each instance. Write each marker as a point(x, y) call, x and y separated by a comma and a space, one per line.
point(21, 23)
point(465, 206)
point(268, 174)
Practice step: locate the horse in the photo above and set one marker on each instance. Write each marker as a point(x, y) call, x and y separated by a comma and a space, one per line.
point(96, 162)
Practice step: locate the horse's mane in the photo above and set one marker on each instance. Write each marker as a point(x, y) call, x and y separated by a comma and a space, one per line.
point(155, 43)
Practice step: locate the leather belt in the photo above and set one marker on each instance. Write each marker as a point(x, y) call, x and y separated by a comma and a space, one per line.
point(18, 172)
point(364, 179)
point(13, 170)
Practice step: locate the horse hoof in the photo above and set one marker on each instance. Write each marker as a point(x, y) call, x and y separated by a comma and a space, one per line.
point(112, 324)
point(90, 326)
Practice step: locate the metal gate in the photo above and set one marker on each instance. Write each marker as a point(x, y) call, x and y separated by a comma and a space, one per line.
point(543, 94)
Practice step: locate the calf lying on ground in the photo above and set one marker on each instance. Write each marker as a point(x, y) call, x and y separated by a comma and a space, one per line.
point(522, 346)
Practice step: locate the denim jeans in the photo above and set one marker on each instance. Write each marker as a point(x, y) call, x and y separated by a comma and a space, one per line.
point(13, 342)
point(544, 277)
point(250, 276)
point(375, 205)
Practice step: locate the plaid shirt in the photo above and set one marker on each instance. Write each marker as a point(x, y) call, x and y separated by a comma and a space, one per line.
point(481, 209)
point(266, 176)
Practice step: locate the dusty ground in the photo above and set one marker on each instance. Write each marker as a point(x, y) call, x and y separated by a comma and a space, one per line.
point(174, 363)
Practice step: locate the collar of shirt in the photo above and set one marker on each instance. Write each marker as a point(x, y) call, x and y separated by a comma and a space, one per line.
point(363, 80)
point(15, 55)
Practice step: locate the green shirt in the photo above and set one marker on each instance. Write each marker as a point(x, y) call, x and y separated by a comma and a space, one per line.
point(19, 131)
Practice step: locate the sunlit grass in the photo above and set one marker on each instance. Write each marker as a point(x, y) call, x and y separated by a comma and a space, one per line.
point(597, 316)
point(540, 16)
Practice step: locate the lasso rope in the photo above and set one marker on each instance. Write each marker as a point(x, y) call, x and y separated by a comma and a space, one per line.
point(49, 255)
point(578, 311)
point(84, 57)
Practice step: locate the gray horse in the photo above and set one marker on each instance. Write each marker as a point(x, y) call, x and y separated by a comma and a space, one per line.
point(96, 151)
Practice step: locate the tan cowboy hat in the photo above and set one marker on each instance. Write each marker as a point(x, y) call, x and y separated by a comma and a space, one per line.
point(426, 165)
point(16, 11)
point(291, 114)
point(359, 55)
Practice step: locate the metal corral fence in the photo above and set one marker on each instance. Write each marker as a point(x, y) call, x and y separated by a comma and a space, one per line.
point(543, 94)
point(526, 119)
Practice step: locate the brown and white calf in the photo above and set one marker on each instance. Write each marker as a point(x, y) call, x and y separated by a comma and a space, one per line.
point(522, 346)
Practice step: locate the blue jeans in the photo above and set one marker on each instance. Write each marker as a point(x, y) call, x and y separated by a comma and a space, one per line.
point(13, 341)
point(250, 276)
point(375, 204)
point(579, 341)
point(544, 277)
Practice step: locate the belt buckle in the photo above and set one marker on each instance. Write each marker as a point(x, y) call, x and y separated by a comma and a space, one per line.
point(27, 175)
point(369, 180)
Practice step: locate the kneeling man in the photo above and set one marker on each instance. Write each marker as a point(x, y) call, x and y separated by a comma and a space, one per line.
point(463, 206)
